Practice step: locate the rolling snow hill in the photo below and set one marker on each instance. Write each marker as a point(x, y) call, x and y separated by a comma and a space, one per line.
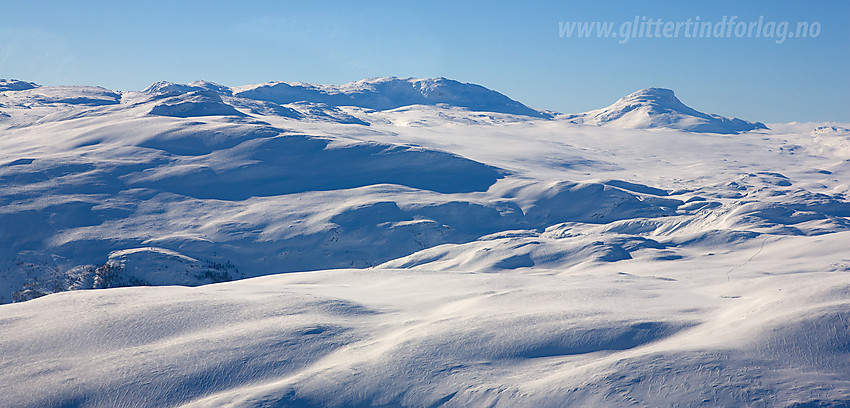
point(402, 242)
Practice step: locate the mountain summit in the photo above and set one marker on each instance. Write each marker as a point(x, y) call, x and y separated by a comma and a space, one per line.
point(15, 85)
point(660, 108)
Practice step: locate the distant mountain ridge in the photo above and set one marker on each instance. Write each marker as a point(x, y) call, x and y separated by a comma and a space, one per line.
point(645, 109)
point(376, 94)
point(390, 93)
point(660, 108)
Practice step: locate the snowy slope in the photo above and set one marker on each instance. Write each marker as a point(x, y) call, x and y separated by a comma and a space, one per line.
point(649, 333)
point(408, 252)
point(659, 108)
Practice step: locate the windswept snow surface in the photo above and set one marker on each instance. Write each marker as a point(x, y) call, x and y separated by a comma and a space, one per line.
point(280, 246)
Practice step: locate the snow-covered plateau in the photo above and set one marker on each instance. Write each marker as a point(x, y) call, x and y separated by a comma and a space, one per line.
point(415, 242)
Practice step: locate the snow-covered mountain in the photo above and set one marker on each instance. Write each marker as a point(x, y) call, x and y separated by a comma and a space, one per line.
point(390, 93)
point(659, 108)
point(364, 246)
point(376, 94)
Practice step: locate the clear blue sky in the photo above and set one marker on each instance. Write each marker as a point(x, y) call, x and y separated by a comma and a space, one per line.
point(512, 47)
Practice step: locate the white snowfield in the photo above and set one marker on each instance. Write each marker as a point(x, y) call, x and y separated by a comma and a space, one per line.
point(406, 242)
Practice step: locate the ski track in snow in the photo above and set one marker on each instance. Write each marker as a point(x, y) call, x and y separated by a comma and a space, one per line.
point(404, 242)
